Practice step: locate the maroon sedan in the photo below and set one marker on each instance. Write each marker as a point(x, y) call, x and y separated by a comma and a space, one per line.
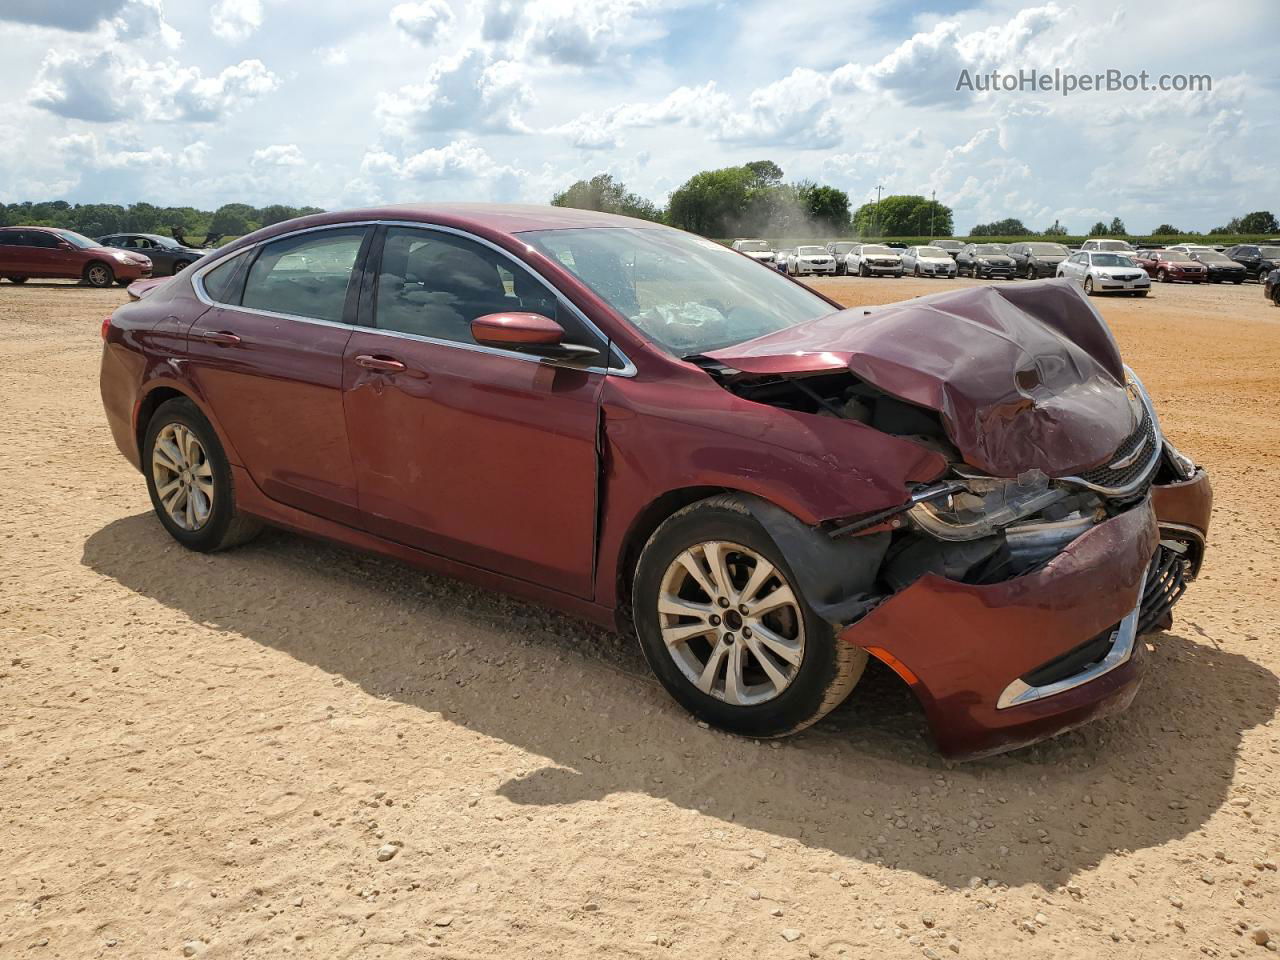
point(1171, 266)
point(643, 428)
point(27, 252)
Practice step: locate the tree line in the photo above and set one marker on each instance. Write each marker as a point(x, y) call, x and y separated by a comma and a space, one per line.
point(1251, 224)
point(99, 219)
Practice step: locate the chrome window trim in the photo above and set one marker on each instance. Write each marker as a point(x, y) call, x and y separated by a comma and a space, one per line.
point(628, 369)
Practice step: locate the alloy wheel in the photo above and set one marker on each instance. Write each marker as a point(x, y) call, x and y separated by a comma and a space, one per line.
point(183, 476)
point(99, 276)
point(731, 623)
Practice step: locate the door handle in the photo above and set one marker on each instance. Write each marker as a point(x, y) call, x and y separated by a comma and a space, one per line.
point(223, 338)
point(385, 364)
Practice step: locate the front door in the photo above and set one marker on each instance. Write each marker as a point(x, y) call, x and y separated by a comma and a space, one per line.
point(484, 456)
point(268, 358)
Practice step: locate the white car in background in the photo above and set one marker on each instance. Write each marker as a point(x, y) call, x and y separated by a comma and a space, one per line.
point(1106, 246)
point(1190, 248)
point(873, 259)
point(758, 250)
point(928, 262)
point(1101, 272)
point(810, 259)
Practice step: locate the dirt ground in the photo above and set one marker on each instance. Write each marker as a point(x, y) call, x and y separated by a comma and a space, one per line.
point(204, 755)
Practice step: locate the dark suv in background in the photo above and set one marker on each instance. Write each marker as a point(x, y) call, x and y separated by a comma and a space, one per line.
point(1039, 259)
point(1257, 259)
point(48, 253)
point(980, 260)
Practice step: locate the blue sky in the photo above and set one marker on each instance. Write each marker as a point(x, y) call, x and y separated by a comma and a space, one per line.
point(337, 103)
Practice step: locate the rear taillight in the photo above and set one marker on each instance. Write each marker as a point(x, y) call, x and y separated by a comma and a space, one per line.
point(106, 325)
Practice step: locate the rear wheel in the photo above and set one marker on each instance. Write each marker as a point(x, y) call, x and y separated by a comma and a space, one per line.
point(180, 265)
point(189, 480)
point(98, 274)
point(17, 279)
point(724, 627)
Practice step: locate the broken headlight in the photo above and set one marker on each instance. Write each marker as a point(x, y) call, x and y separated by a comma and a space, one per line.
point(985, 505)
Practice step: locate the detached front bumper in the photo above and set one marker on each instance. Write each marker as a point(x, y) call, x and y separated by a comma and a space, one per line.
point(999, 666)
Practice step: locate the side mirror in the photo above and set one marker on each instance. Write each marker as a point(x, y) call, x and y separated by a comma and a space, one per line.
point(528, 333)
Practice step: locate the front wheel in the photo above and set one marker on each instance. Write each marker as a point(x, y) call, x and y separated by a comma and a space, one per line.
point(863, 271)
point(180, 265)
point(189, 480)
point(99, 275)
point(1030, 273)
point(723, 625)
point(18, 280)
point(1088, 286)
point(1163, 276)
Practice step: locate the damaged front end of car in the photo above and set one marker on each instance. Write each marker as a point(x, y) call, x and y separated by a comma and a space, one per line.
point(1011, 591)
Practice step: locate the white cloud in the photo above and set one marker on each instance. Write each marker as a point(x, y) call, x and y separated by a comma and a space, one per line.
point(575, 32)
point(462, 166)
point(235, 20)
point(469, 92)
point(109, 86)
point(86, 150)
point(425, 21)
point(279, 155)
point(113, 19)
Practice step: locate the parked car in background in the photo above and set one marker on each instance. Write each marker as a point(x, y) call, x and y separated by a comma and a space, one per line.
point(1271, 286)
point(1171, 266)
point(1190, 248)
point(167, 255)
point(985, 260)
point(1105, 273)
point(873, 259)
point(810, 259)
point(762, 531)
point(758, 250)
point(1222, 269)
point(1037, 259)
point(1258, 259)
point(928, 262)
point(1107, 245)
point(51, 253)
point(780, 258)
point(838, 249)
point(952, 247)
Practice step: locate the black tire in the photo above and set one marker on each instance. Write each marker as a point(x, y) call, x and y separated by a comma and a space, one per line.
point(827, 672)
point(916, 271)
point(18, 280)
point(1238, 282)
point(180, 265)
point(1088, 286)
point(863, 271)
point(1030, 272)
point(1163, 276)
point(99, 274)
point(123, 283)
point(1141, 293)
point(225, 526)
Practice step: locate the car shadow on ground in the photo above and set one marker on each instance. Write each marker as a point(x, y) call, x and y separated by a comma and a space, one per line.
point(864, 783)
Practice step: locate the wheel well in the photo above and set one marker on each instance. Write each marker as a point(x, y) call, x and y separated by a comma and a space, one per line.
point(150, 403)
point(96, 263)
point(642, 527)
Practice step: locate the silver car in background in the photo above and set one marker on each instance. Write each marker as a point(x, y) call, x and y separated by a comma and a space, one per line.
point(928, 262)
point(873, 259)
point(810, 259)
point(1106, 273)
point(758, 250)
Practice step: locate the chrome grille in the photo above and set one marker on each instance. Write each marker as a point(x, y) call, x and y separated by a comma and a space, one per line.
point(1131, 462)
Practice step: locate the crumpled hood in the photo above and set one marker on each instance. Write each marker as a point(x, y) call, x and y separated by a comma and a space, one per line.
point(1024, 377)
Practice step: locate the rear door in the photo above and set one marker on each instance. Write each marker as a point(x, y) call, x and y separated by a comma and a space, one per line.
point(267, 356)
point(481, 455)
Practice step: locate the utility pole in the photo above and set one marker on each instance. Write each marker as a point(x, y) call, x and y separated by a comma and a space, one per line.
point(933, 207)
point(876, 217)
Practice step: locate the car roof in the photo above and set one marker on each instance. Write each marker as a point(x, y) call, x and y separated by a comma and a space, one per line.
point(19, 226)
point(500, 217)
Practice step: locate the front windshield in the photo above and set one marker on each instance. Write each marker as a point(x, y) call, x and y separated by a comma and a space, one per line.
point(934, 252)
point(1113, 245)
point(75, 239)
point(1175, 256)
point(950, 244)
point(1212, 256)
point(688, 294)
point(989, 248)
point(1047, 249)
point(1112, 260)
point(810, 251)
point(873, 248)
point(753, 246)
point(844, 247)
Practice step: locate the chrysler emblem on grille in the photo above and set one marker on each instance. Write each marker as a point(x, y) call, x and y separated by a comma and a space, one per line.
point(1127, 460)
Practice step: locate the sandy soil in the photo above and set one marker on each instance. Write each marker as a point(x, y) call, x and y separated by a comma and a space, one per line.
point(206, 754)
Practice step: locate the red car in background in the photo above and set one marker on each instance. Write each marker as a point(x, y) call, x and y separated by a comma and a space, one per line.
point(645, 429)
point(50, 253)
point(1170, 266)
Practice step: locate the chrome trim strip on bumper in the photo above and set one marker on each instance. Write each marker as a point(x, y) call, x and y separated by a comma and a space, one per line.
point(1018, 694)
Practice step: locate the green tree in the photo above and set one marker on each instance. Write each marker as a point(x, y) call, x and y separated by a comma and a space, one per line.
point(1260, 221)
point(826, 208)
point(1099, 229)
point(1008, 227)
point(233, 220)
point(1165, 230)
point(1117, 228)
point(604, 193)
point(1055, 229)
point(903, 215)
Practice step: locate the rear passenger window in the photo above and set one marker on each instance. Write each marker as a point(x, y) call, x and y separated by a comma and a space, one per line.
point(225, 281)
point(434, 284)
point(306, 275)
